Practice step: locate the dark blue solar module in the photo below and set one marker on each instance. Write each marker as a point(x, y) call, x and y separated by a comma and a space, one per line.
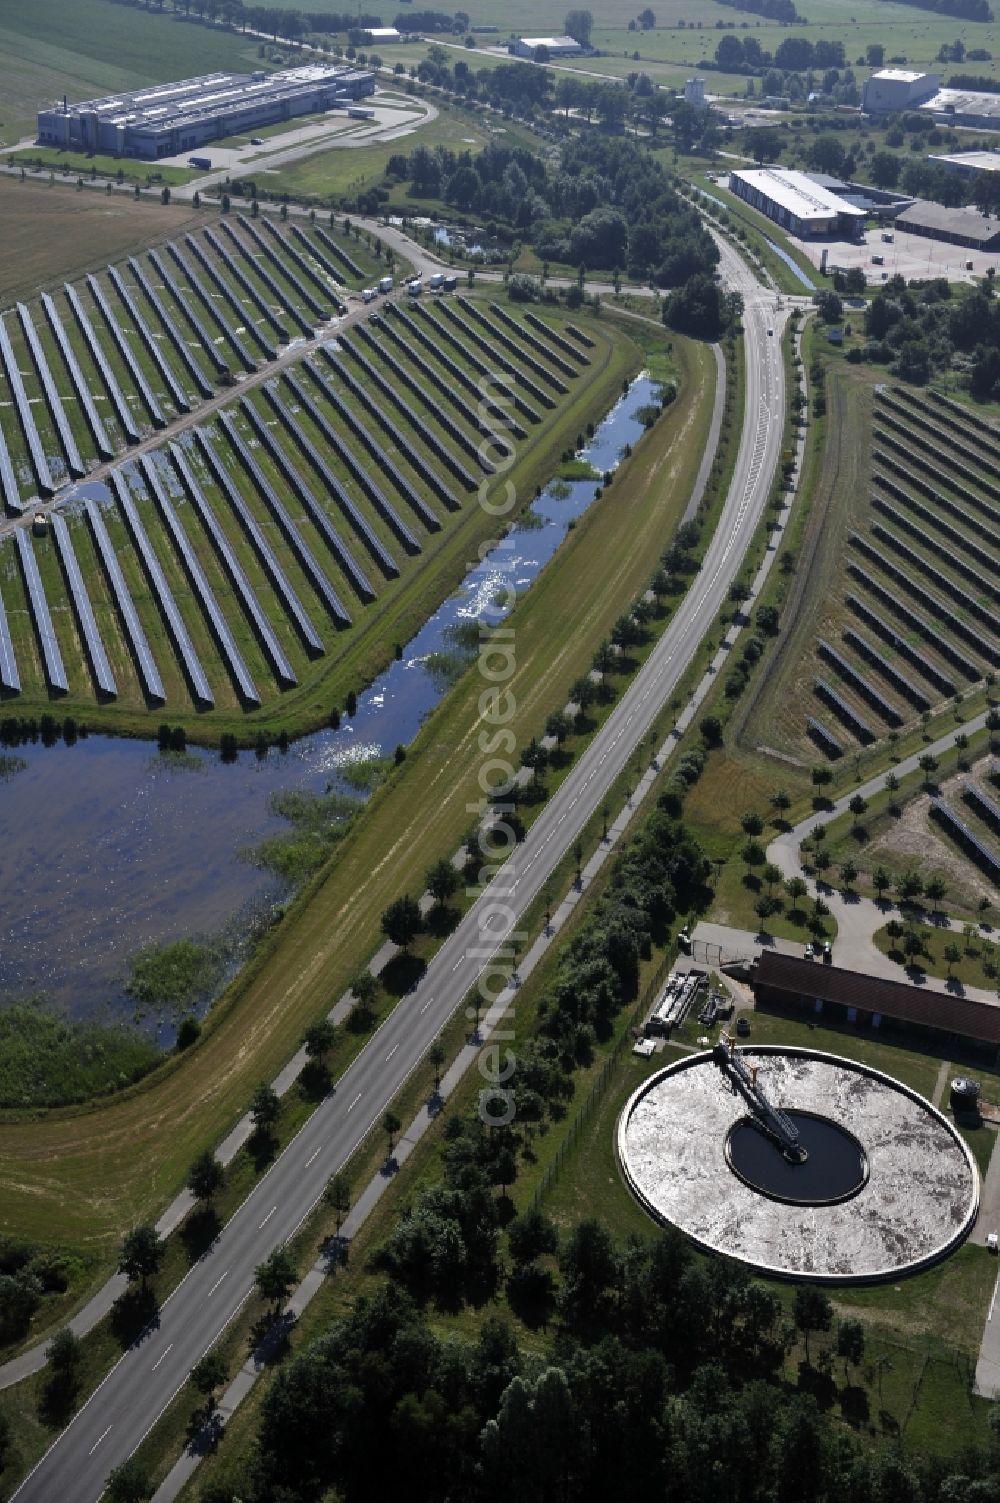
point(9, 676)
point(100, 666)
point(54, 670)
point(169, 326)
point(114, 391)
point(39, 463)
point(125, 351)
point(97, 428)
point(145, 334)
point(53, 401)
point(148, 671)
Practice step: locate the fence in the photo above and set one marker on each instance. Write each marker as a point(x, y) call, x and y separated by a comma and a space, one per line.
point(600, 1084)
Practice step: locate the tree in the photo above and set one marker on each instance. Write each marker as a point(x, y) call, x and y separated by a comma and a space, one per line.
point(401, 921)
point(796, 889)
point(318, 1038)
point(771, 875)
point(751, 823)
point(578, 25)
point(265, 1108)
point(531, 1235)
point(338, 1197)
point(646, 19)
point(129, 1483)
point(437, 1057)
point(881, 881)
point(850, 1343)
point(935, 889)
point(752, 854)
point(275, 1278)
point(858, 806)
point(391, 1125)
point(909, 886)
point(764, 145)
point(206, 1176)
point(141, 1254)
point(442, 881)
point(811, 1311)
point(64, 1353)
point(781, 800)
point(208, 1375)
point(928, 765)
point(848, 873)
point(364, 988)
point(884, 169)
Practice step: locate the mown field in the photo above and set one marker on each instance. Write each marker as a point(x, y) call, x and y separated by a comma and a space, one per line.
point(344, 492)
point(39, 253)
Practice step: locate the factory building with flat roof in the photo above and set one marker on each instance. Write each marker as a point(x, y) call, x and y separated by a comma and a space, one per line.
point(168, 119)
point(954, 226)
point(963, 107)
point(968, 163)
point(554, 46)
point(795, 201)
point(892, 89)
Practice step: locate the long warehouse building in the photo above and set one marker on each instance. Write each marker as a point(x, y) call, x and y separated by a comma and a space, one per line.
point(167, 119)
point(796, 201)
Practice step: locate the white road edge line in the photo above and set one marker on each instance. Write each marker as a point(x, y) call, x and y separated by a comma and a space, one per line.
point(161, 1357)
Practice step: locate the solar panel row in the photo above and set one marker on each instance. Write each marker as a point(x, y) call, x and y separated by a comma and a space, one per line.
point(170, 328)
point(83, 395)
point(240, 277)
point(340, 253)
point(54, 669)
point(111, 386)
point(321, 521)
point(320, 310)
point(196, 677)
point(377, 451)
point(53, 400)
point(534, 343)
point(99, 664)
point(930, 672)
point(201, 334)
point(326, 264)
point(392, 430)
point(9, 676)
point(212, 309)
point(125, 351)
point(304, 266)
point(148, 671)
point(524, 358)
point(390, 393)
point(296, 541)
point(39, 463)
point(178, 397)
point(262, 547)
point(237, 578)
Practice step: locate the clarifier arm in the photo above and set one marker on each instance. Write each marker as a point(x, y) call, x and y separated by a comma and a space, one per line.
point(771, 1118)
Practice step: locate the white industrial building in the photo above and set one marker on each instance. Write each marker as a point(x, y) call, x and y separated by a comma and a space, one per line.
point(554, 46)
point(795, 201)
point(167, 119)
point(892, 89)
point(964, 107)
point(694, 93)
point(384, 34)
point(968, 163)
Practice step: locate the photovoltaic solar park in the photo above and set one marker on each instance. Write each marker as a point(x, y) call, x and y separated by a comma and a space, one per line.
point(312, 471)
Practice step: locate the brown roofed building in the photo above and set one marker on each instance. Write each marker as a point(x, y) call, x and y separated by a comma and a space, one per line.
point(791, 983)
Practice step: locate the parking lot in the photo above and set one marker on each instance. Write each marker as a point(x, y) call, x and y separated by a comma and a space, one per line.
point(913, 256)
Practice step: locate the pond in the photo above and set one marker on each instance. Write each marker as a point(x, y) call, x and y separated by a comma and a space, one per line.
point(107, 847)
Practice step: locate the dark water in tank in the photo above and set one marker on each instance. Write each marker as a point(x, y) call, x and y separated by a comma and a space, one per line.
point(106, 847)
point(835, 1168)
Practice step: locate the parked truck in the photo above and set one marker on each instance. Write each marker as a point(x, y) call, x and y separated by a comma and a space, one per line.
point(385, 284)
point(203, 162)
point(415, 288)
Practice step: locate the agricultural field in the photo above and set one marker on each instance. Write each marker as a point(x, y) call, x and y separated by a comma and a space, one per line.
point(38, 252)
point(225, 572)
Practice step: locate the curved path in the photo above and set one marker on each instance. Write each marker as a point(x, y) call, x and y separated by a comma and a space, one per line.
point(858, 918)
point(137, 1390)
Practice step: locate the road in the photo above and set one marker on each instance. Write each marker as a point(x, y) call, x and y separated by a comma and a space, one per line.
point(137, 1390)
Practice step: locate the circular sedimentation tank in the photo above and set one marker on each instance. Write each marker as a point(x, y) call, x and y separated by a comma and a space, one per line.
point(881, 1184)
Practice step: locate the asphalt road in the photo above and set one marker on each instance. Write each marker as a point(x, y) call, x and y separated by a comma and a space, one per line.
point(137, 1390)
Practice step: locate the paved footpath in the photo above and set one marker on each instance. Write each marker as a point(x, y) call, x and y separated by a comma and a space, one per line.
point(858, 918)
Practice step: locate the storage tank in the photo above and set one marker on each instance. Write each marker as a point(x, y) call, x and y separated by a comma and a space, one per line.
point(965, 1096)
